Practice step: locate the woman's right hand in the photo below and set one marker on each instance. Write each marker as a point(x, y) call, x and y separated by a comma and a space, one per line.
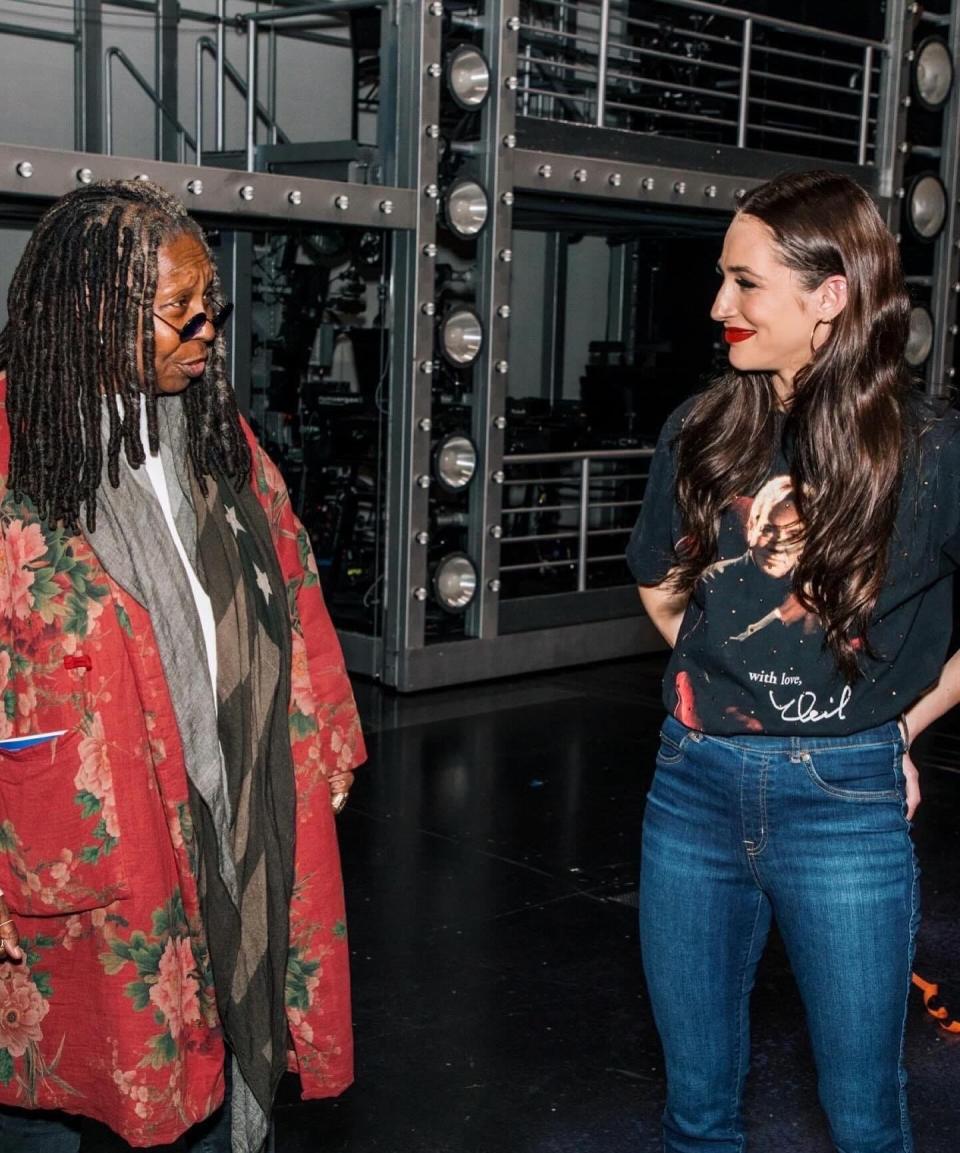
point(9, 937)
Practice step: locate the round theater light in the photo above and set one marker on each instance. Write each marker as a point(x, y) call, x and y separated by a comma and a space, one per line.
point(455, 582)
point(461, 336)
point(932, 72)
point(466, 208)
point(926, 206)
point(468, 77)
point(920, 339)
point(455, 462)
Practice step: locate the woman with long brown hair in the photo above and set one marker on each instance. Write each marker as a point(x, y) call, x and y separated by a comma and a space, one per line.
point(800, 525)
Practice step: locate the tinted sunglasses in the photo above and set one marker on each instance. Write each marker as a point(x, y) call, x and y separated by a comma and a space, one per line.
point(195, 324)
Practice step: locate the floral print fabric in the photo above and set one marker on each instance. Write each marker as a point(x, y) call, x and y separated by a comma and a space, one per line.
point(112, 1013)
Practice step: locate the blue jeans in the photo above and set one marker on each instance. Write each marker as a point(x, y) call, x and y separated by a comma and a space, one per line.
point(810, 831)
point(33, 1131)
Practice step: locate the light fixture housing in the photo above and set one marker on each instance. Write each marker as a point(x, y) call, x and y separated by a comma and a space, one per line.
point(461, 337)
point(920, 339)
point(468, 77)
point(466, 208)
point(455, 463)
point(455, 582)
point(926, 206)
point(932, 73)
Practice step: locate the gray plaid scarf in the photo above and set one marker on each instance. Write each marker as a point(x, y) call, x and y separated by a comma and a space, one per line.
point(237, 748)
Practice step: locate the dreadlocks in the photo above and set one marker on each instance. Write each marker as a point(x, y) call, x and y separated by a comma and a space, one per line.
point(80, 328)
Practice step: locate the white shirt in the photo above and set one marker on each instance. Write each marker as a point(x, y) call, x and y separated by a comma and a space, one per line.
point(158, 481)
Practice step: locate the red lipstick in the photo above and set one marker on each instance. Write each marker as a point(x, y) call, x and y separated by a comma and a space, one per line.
point(736, 335)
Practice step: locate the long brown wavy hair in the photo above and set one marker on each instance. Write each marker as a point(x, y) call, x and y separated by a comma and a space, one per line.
point(848, 424)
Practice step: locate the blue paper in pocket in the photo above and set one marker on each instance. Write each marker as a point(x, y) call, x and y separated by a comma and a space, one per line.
point(18, 744)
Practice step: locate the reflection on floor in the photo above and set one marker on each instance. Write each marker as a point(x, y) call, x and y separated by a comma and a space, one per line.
point(490, 851)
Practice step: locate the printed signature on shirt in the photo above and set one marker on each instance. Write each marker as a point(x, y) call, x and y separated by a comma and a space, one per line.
point(803, 708)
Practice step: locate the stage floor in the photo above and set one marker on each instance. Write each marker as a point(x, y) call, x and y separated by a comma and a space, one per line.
point(490, 854)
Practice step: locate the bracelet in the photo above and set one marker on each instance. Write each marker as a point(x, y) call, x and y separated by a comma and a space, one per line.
point(904, 732)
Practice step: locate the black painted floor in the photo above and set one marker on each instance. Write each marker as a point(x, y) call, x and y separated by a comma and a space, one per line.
point(490, 853)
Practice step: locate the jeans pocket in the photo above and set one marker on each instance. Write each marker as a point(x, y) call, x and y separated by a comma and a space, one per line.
point(865, 773)
point(670, 751)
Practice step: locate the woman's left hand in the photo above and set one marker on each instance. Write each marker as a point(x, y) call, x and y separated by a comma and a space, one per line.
point(340, 787)
point(912, 778)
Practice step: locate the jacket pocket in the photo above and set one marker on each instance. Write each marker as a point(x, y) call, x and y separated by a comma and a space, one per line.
point(60, 846)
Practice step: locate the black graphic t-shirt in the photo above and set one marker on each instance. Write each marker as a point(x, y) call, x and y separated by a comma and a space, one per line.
point(749, 658)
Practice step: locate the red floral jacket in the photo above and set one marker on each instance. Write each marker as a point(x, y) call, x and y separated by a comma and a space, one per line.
point(112, 1014)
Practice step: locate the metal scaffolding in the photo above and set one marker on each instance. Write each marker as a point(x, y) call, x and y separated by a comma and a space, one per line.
point(596, 106)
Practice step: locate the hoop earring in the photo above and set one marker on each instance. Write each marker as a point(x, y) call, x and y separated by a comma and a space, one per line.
point(813, 347)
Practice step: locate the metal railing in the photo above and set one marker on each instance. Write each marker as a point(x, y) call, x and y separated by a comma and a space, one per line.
point(700, 70)
point(569, 508)
point(184, 139)
point(267, 116)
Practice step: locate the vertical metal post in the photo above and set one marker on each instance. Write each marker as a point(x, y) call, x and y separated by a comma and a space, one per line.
point(88, 76)
point(584, 525)
point(198, 101)
point(743, 113)
point(602, 62)
point(272, 82)
point(165, 49)
point(221, 67)
point(892, 114)
point(235, 265)
point(410, 102)
point(618, 289)
point(500, 35)
point(108, 106)
point(865, 104)
point(554, 316)
point(525, 90)
point(941, 367)
point(250, 119)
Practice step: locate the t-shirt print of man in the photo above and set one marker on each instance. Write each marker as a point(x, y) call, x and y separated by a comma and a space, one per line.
point(774, 540)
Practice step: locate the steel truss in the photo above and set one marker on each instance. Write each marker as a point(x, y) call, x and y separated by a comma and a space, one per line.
point(533, 138)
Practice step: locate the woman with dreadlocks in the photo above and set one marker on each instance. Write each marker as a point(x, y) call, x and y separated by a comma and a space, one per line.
point(177, 727)
point(799, 531)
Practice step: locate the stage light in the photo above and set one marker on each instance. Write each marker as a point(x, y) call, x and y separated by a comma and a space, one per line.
point(461, 336)
point(468, 77)
point(466, 208)
point(926, 206)
point(455, 582)
point(932, 73)
point(455, 462)
point(920, 339)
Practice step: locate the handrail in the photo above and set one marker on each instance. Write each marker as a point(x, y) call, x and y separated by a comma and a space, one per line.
point(583, 506)
point(207, 46)
point(606, 51)
point(712, 9)
point(585, 454)
point(39, 34)
point(183, 137)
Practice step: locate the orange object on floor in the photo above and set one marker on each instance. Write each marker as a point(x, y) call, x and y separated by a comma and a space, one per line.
point(931, 998)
